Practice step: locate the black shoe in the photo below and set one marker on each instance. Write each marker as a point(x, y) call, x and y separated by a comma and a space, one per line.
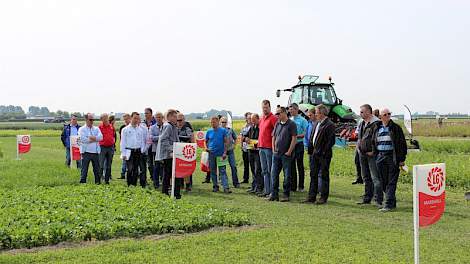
point(227, 190)
point(363, 202)
point(251, 191)
point(244, 181)
point(272, 198)
point(262, 194)
point(206, 182)
point(122, 178)
point(357, 182)
point(284, 199)
point(309, 201)
point(215, 189)
point(321, 201)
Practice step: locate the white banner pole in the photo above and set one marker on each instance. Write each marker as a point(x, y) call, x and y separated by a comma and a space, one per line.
point(70, 152)
point(17, 149)
point(416, 215)
point(173, 173)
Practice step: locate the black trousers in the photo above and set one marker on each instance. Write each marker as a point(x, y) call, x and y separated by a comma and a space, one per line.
point(357, 162)
point(318, 164)
point(255, 165)
point(167, 173)
point(95, 161)
point(389, 172)
point(246, 166)
point(298, 158)
point(134, 168)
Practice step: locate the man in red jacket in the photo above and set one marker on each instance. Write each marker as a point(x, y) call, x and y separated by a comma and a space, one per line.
point(107, 147)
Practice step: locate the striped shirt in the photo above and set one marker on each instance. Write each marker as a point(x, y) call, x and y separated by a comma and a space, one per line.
point(384, 141)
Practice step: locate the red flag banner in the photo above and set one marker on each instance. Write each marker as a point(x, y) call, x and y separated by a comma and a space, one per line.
point(430, 192)
point(75, 148)
point(201, 139)
point(23, 143)
point(184, 156)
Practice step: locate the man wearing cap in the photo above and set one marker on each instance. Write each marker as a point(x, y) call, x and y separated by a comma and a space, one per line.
point(90, 136)
point(70, 129)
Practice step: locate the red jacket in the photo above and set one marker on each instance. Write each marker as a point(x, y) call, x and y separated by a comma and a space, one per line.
point(266, 127)
point(108, 135)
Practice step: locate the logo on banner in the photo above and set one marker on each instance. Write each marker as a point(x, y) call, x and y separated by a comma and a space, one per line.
point(435, 179)
point(430, 188)
point(25, 139)
point(189, 152)
point(200, 139)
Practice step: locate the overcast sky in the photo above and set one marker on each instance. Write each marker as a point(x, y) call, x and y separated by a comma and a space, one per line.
point(121, 56)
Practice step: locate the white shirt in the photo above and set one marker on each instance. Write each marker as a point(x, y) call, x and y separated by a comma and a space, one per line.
point(86, 145)
point(317, 128)
point(133, 138)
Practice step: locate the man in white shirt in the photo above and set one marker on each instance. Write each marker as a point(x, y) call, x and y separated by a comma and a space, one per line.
point(90, 136)
point(133, 145)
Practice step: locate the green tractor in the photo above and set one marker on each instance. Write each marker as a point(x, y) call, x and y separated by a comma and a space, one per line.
point(308, 93)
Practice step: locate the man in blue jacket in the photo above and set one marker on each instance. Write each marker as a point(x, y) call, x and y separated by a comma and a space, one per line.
point(70, 129)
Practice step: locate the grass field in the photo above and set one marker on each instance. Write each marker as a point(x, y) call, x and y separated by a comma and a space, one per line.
point(340, 232)
point(421, 127)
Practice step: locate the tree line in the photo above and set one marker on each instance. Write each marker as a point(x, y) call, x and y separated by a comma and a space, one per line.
point(13, 112)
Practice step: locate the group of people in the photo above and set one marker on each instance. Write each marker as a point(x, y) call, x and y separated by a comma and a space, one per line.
point(270, 143)
point(145, 145)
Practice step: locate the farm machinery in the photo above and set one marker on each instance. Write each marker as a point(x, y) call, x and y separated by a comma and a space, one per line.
point(308, 93)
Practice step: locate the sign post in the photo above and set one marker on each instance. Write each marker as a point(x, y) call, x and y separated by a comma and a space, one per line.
point(74, 149)
point(184, 162)
point(428, 198)
point(23, 145)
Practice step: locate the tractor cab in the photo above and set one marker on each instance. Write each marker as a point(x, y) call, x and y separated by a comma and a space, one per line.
point(308, 93)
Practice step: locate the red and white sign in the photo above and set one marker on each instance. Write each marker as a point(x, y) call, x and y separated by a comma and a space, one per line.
point(184, 158)
point(23, 143)
point(75, 148)
point(430, 185)
point(201, 139)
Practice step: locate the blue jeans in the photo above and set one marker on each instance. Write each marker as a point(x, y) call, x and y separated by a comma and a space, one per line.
point(222, 172)
point(281, 161)
point(266, 158)
point(233, 167)
point(68, 159)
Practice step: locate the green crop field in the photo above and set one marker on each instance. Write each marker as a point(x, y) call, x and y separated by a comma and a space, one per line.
point(43, 204)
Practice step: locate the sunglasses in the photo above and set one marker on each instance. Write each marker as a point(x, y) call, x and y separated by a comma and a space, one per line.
point(180, 120)
point(278, 114)
point(223, 122)
point(387, 114)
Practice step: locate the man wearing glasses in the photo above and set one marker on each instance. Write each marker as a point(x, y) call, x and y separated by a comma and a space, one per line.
point(391, 149)
point(283, 142)
point(372, 182)
point(90, 136)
